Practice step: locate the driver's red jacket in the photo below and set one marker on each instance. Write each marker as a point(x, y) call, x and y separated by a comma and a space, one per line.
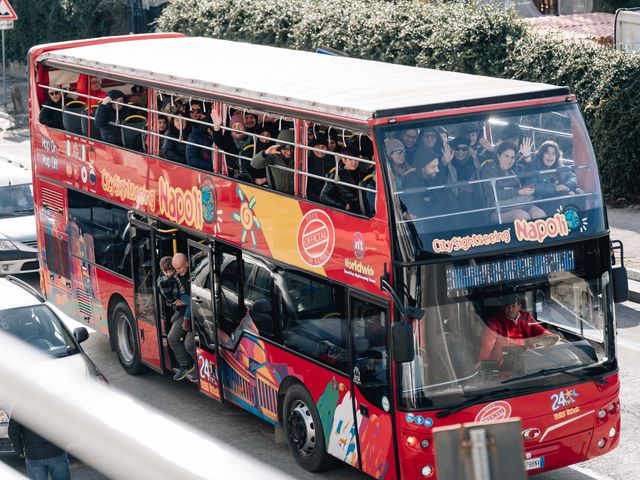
point(503, 332)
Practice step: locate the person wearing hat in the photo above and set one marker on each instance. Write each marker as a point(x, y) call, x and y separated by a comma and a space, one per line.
point(397, 157)
point(513, 326)
point(342, 195)
point(110, 113)
point(423, 199)
point(465, 167)
point(280, 155)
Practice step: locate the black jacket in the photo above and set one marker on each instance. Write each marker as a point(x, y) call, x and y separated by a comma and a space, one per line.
point(30, 443)
point(51, 118)
point(337, 195)
point(105, 116)
point(173, 149)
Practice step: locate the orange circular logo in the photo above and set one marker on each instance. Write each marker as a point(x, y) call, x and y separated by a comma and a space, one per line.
point(316, 238)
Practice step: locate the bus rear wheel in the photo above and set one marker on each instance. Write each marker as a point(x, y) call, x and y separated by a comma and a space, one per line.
point(304, 430)
point(126, 339)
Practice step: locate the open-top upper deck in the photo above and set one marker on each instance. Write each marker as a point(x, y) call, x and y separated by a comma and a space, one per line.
point(344, 87)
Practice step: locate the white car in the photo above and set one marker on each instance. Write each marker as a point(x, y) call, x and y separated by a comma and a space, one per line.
point(18, 242)
point(25, 313)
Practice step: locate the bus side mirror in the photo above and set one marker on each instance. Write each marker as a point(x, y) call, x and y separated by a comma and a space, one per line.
point(620, 284)
point(403, 350)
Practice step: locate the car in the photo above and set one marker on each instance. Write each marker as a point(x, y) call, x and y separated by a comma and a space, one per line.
point(18, 241)
point(26, 314)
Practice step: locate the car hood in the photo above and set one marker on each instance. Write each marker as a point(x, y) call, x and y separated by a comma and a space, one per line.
point(18, 228)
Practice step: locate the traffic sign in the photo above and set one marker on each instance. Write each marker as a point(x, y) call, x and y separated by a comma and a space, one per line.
point(6, 11)
point(6, 24)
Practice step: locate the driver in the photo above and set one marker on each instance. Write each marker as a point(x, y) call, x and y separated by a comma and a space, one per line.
point(513, 327)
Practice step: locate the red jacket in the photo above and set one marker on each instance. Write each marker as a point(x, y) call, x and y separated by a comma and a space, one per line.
point(503, 332)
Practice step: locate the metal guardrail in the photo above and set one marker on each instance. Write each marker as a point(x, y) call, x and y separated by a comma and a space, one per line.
point(116, 434)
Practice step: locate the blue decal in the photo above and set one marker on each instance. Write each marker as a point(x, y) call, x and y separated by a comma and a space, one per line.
point(409, 417)
point(428, 422)
point(419, 420)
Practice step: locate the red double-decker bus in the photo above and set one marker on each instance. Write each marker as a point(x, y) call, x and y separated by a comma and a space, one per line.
point(374, 250)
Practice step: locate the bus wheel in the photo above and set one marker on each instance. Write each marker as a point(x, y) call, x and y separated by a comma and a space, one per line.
point(304, 430)
point(126, 340)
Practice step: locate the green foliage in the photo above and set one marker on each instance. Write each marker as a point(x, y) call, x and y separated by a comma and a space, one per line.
point(455, 36)
point(58, 20)
point(612, 5)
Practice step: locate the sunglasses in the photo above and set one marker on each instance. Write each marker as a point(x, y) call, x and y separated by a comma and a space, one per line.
point(195, 110)
point(400, 151)
point(462, 148)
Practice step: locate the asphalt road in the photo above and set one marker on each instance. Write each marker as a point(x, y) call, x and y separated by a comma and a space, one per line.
point(181, 400)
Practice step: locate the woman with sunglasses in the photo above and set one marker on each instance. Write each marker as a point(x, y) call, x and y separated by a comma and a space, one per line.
point(48, 115)
point(397, 155)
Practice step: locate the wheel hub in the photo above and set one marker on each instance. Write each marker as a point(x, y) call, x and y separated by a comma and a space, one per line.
point(301, 428)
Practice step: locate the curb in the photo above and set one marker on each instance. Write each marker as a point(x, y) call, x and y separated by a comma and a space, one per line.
point(633, 274)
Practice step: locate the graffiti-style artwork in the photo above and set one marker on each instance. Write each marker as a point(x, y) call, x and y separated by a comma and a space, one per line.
point(375, 442)
point(336, 415)
point(249, 379)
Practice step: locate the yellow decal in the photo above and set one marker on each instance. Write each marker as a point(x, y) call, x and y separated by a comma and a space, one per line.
point(455, 244)
point(125, 189)
point(566, 413)
point(180, 206)
point(541, 229)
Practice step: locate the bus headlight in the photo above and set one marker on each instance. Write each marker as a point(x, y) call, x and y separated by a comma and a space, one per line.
point(7, 245)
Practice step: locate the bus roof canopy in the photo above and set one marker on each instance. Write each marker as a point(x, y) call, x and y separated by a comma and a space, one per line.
point(340, 86)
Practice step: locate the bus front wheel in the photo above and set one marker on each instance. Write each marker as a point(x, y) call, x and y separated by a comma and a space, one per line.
point(304, 430)
point(126, 339)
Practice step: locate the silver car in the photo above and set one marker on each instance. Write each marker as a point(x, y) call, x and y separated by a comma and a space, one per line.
point(25, 313)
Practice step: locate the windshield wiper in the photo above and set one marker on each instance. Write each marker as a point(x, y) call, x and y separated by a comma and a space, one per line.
point(566, 370)
point(485, 397)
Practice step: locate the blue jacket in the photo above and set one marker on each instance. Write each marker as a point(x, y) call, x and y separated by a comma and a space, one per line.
point(200, 157)
point(545, 183)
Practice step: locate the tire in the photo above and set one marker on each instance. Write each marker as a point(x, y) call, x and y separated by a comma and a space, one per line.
point(126, 339)
point(303, 429)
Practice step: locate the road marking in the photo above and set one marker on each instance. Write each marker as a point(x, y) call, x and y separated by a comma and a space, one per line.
point(628, 344)
point(589, 473)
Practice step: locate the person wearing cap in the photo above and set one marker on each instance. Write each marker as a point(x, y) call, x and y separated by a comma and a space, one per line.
point(280, 155)
point(342, 195)
point(110, 113)
point(397, 157)
point(512, 327)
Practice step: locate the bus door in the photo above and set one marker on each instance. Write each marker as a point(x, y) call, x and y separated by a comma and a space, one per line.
point(144, 269)
point(371, 386)
point(203, 318)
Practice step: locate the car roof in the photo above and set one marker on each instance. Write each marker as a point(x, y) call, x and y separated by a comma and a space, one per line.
point(12, 295)
point(14, 171)
point(341, 86)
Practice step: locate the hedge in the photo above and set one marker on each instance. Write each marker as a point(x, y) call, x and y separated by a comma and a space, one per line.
point(459, 37)
point(44, 21)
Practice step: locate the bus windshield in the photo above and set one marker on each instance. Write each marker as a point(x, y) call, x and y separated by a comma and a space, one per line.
point(517, 321)
point(483, 182)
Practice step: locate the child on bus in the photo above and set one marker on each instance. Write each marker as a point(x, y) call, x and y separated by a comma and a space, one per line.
point(172, 292)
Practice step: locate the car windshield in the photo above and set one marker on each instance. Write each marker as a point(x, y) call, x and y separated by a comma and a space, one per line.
point(16, 201)
point(477, 183)
point(516, 320)
point(40, 327)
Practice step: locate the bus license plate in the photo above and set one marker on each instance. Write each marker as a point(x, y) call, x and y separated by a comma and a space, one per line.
point(534, 463)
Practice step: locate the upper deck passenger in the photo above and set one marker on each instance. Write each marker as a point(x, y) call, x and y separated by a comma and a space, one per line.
point(279, 155)
point(48, 116)
point(111, 112)
point(344, 196)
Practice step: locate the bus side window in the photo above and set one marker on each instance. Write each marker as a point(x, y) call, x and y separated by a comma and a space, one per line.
point(259, 298)
point(314, 319)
